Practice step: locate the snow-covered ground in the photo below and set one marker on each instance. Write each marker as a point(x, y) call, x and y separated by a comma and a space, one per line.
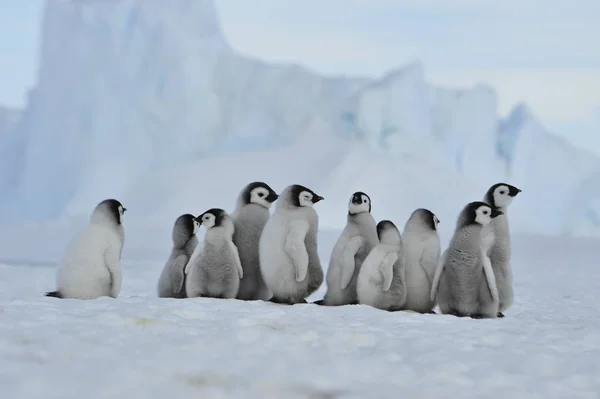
point(140, 346)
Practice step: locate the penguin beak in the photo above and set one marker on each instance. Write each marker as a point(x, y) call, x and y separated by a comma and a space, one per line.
point(272, 197)
point(317, 198)
point(515, 191)
point(496, 213)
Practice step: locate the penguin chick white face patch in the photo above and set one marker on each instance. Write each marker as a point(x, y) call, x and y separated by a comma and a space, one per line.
point(208, 220)
point(305, 199)
point(196, 226)
point(121, 213)
point(363, 206)
point(436, 221)
point(483, 215)
point(502, 197)
point(259, 196)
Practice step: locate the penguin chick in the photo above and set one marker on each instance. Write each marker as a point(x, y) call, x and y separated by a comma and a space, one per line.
point(214, 269)
point(422, 253)
point(352, 247)
point(464, 282)
point(249, 218)
point(91, 267)
point(289, 259)
point(496, 242)
point(171, 283)
point(381, 281)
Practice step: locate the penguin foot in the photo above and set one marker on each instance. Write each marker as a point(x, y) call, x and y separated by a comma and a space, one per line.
point(54, 294)
point(431, 312)
point(476, 316)
point(320, 302)
point(354, 303)
point(500, 315)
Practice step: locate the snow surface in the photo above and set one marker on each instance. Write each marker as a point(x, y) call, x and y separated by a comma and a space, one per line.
point(140, 346)
point(132, 90)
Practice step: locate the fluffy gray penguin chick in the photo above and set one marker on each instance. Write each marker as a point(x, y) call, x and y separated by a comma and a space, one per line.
point(464, 282)
point(496, 242)
point(91, 266)
point(422, 254)
point(215, 269)
point(381, 281)
point(352, 247)
point(289, 259)
point(249, 218)
point(171, 283)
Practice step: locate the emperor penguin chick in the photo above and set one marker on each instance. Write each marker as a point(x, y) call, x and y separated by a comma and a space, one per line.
point(214, 269)
point(289, 259)
point(422, 255)
point(91, 267)
point(352, 247)
point(464, 282)
point(171, 283)
point(381, 281)
point(249, 218)
point(496, 242)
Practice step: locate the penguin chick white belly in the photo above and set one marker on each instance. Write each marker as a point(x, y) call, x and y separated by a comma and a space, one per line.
point(214, 273)
point(84, 274)
point(499, 255)
point(277, 267)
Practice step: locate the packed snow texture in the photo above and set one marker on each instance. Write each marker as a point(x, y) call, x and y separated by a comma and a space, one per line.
point(131, 91)
point(140, 346)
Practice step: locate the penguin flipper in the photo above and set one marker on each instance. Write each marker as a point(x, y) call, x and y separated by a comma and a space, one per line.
point(436, 277)
point(295, 248)
point(54, 294)
point(177, 272)
point(197, 251)
point(236, 260)
point(347, 264)
point(387, 270)
point(489, 276)
point(112, 260)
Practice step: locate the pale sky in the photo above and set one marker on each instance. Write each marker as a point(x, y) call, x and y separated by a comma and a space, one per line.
point(542, 52)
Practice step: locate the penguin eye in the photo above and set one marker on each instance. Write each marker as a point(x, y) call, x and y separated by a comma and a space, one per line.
point(502, 192)
point(261, 195)
point(485, 212)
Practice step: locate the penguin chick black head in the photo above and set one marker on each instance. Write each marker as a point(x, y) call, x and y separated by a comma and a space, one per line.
point(108, 211)
point(214, 217)
point(299, 196)
point(359, 202)
point(500, 195)
point(388, 233)
point(258, 193)
point(422, 220)
point(185, 227)
point(477, 212)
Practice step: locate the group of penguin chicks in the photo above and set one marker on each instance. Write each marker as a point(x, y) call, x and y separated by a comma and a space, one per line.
point(252, 254)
